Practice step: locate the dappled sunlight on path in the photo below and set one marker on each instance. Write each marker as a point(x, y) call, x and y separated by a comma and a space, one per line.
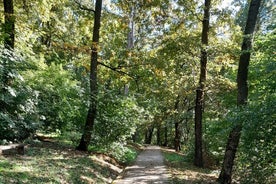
point(148, 168)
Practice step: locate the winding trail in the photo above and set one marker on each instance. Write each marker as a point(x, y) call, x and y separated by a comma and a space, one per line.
point(148, 168)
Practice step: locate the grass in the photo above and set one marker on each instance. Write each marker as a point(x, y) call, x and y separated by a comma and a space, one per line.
point(182, 170)
point(53, 162)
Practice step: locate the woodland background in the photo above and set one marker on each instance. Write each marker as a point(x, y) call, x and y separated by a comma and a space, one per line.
point(147, 76)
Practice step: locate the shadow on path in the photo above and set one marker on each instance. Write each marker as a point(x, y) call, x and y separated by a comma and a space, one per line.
point(148, 168)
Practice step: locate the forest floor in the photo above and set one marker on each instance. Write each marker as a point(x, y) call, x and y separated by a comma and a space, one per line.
point(56, 162)
point(182, 170)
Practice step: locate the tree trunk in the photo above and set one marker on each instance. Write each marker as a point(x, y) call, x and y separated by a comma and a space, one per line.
point(130, 36)
point(91, 116)
point(148, 135)
point(9, 27)
point(177, 137)
point(246, 50)
point(166, 135)
point(130, 41)
point(158, 134)
point(225, 176)
point(229, 156)
point(198, 160)
point(176, 127)
point(8, 31)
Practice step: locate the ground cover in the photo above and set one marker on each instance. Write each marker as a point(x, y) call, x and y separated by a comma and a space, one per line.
point(55, 162)
point(182, 170)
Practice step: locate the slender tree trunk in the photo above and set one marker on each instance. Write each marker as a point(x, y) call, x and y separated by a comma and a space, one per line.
point(225, 176)
point(9, 27)
point(176, 127)
point(158, 134)
point(148, 135)
point(130, 41)
point(166, 135)
point(91, 116)
point(130, 36)
point(177, 137)
point(198, 160)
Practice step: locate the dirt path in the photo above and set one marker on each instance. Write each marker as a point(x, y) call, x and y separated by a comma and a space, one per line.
point(148, 168)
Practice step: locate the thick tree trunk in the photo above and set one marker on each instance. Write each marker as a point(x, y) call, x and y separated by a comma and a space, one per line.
point(229, 156)
point(91, 116)
point(225, 176)
point(198, 160)
point(8, 31)
point(246, 50)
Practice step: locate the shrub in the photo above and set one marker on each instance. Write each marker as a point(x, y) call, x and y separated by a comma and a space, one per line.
point(61, 100)
point(258, 151)
point(18, 115)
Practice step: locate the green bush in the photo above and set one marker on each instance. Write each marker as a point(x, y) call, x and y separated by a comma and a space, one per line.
point(117, 119)
point(256, 161)
point(18, 114)
point(61, 100)
point(122, 153)
point(257, 156)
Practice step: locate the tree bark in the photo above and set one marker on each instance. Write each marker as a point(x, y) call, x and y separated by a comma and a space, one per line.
point(166, 135)
point(92, 112)
point(8, 31)
point(130, 41)
point(9, 25)
point(177, 145)
point(176, 127)
point(246, 50)
point(158, 134)
point(198, 160)
point(148, 135)
point(225, 176)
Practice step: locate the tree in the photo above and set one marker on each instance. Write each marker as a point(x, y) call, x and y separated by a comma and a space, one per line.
point(8, 31)
point(198, 160)
point(92, 112)
point(9, 27)
point(177, 136)
point(234, 136)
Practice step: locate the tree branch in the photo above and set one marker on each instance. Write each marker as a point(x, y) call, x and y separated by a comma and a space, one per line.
point(119, 71)
point(129, 66)
point(82, 7)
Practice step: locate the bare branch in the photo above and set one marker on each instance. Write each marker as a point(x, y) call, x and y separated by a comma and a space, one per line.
point(129, 66)
point(83, 7)
point(116, 70)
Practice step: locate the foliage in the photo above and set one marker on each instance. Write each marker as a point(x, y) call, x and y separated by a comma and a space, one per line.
point(257, 155)
point(61, 100)
point(18, 117)
point(118, 118)
point(123, 153)
point(174, 158)
point(139, 86)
